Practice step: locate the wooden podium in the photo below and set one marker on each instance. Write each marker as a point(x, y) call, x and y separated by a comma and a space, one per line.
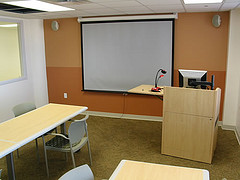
point(190, 123)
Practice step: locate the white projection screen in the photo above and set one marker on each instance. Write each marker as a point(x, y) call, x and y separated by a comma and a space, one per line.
point(118, 56)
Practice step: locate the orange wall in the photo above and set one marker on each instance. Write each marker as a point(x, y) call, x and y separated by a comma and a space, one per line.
point(198, 45)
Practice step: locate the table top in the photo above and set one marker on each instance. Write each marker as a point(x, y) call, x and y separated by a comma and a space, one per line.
point(145, 89)
point(6, 145)
point(130, 170)
point(20, 130)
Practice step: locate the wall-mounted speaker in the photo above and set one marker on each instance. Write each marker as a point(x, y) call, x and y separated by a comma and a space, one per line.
point(216, 20)
point(55, 25)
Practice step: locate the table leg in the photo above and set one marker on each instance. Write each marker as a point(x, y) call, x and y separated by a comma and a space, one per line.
point(10, 166)
point(63, 128)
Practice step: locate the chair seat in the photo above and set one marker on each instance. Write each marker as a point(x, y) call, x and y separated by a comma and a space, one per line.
point(59, 143)
point(82, 172)
point(76, 139)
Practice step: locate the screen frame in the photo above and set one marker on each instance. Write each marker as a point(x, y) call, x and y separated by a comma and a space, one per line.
point(117, 21)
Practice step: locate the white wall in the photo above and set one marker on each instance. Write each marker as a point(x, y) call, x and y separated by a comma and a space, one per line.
point(36, 55)
point(34, 88)
point(231, 113)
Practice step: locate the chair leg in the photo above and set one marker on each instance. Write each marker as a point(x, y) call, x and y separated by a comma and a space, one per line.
point(63, 128)
point(73, 160)
point(66, 156)
point(45, 154)
point(17, 153)
point(89, 152)
point(37, 150)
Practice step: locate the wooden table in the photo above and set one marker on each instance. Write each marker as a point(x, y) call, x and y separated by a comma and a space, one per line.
point(145, 89)
point(133, 170)
point(19, 131)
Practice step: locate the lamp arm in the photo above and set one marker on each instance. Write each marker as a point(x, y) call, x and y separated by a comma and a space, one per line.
point(159, 78)
point(156, 78)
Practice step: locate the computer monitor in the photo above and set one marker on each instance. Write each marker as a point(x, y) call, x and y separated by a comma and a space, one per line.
point(194, 79)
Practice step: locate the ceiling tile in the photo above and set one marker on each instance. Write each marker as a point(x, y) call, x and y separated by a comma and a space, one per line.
point(114, 4)
point(100, 1)
point(77, 13)
point(104, 11)
point(167, 8)
point(229, 6)
point(54, 16)
point(88, 6)
point(124, 7)
point(160, 2)
point(134, 10)
point(230, 1)
point(202, 7)
point(138, 12)
point(72, 4)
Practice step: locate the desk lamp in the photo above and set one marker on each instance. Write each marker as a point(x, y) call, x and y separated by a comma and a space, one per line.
point(158, 89)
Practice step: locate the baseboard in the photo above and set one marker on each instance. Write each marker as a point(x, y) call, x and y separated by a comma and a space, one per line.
point(125, 116)
point(154, 118)
point(237, 135)
point(230, 128)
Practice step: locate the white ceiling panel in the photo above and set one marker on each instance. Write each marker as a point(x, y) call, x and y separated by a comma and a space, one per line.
point(105, 11)
point(124, 7)
point(229, 6)
point(76, 13)
point(115, 4)
point(87, 6)
point(100, 1)
point(70, 4)
point(159, 2)
point(134, 10)
point(138, 12)
point(56, 16)
point(202, 7)
point(230, 1)
point(167, 8)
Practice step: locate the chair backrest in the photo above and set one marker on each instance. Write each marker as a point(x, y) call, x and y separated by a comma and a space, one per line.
point(79, 173)
point(23, 108)
point(76, 131)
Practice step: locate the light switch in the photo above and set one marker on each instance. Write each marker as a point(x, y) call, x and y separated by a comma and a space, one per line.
point(65, 95)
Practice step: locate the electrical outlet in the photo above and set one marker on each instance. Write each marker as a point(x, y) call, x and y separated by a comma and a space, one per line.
point(65, 95)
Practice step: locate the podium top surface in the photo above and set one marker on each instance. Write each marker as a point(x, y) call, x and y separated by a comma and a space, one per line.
point(145, 89)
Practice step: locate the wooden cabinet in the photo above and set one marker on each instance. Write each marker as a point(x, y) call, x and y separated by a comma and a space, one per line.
point(190, 123)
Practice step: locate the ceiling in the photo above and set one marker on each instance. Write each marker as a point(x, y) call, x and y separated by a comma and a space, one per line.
point(124, 7)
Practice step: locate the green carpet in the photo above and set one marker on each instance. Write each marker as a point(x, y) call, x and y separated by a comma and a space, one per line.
point(114, 139)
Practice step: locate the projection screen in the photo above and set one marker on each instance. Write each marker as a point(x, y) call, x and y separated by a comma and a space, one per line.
point(118, 56)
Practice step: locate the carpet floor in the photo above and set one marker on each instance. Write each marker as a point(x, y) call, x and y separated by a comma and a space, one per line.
point(114, 139)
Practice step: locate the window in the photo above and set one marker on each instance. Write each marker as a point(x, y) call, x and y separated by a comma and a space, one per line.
point(11, 51)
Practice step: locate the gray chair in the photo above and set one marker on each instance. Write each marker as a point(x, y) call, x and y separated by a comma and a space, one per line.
point(22, 109)
point(82, 172)
point(77, 137)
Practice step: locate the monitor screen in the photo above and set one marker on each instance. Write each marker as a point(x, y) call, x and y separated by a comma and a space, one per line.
point(188, 77)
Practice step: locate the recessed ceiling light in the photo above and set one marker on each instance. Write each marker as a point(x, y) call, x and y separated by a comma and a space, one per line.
point(202, 1)
point(39, 5)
